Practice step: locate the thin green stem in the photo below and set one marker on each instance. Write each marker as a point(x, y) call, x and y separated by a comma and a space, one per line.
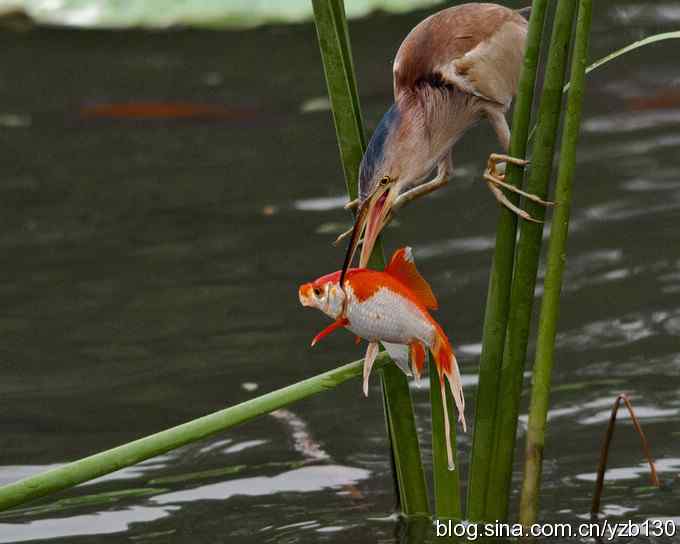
point(132, 453)
point(526, 267)
point(446, 482)
point(405, 447)
point(334, 44)
point(498, 297)
point(550, 305)
point(336, 53)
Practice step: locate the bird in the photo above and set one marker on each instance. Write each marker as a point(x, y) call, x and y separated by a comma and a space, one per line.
point(455, 68)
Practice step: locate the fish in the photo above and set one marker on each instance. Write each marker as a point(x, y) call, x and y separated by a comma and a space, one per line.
point(392, 308)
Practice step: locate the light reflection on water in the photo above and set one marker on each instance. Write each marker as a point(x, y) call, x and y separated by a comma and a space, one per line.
point(151, 269)
point(98, 523)
point(302, 480)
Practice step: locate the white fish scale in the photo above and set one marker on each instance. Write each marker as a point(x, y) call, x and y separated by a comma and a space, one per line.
point(388, 316)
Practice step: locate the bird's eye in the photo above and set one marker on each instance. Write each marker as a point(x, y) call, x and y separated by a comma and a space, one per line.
point(317, 291)
point(385, 180)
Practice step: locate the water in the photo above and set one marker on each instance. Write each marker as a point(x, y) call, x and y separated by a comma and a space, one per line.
point(150, 270)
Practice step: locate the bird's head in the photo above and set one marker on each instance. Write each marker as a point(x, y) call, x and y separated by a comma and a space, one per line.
point(396, 157)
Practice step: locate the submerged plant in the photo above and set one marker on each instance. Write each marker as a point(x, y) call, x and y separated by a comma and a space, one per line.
point(604, 455)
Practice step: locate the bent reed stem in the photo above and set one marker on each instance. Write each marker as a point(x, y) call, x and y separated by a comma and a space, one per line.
point(139, 450)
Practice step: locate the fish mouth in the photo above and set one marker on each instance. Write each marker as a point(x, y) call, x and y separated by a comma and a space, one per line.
point(305, 295)
point(372, 216)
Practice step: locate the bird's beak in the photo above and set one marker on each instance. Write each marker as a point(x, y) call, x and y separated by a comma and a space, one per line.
point(372, 216)
point(377, 216)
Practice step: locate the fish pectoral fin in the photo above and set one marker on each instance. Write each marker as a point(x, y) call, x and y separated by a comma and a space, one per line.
point(338, 324)
point(371, 353)
point(400, 355)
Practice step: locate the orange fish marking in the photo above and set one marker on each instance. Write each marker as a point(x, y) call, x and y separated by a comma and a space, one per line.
point(400, 276)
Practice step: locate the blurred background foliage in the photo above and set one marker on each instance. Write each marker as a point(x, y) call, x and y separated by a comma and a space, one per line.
point(199, 13)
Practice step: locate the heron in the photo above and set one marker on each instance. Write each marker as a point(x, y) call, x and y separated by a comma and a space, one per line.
point(455, 68)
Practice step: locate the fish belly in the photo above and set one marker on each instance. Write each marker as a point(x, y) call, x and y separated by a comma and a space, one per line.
point(389, 317)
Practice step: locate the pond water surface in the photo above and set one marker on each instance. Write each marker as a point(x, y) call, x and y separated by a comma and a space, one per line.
point(150, 269)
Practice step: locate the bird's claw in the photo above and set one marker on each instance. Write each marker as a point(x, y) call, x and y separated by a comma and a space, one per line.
point(496, 180)
point(352, 204)
point(344, 235)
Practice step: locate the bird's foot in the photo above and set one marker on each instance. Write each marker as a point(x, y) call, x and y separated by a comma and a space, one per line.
point(495, 178)
point(342, 236)
point(352, 204)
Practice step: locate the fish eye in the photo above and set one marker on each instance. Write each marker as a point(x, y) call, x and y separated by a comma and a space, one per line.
point(317, 291)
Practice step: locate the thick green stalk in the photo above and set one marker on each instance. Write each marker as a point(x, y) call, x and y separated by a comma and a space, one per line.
point(408, 464)
point(550, 305)
point(336, 53)
point(131, 453)
point(446, 482)
point(526, 267)
point(498, 297)
point(331, 25)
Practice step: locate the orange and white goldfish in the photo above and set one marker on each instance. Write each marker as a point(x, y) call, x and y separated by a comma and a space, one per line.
point(390, 307)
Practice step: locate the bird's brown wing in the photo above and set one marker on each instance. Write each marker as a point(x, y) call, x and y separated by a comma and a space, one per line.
point(476, 47)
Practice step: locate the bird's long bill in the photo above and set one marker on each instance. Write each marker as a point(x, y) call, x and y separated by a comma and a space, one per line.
point(370, 219)
point(359, 224)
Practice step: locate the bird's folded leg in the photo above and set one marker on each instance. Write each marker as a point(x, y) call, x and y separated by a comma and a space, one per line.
point(496, 179)
point(344, 235)
point(421, 190)
point(338, 324)
point(371, 354)
point(444, 170)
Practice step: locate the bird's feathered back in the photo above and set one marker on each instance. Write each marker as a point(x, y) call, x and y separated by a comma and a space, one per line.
point(472, 46)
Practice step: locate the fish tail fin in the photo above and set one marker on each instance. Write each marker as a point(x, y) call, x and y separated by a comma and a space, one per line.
point(447, 365)
point(447, 368)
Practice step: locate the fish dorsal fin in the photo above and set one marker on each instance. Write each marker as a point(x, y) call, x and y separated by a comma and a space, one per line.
point(403, 267)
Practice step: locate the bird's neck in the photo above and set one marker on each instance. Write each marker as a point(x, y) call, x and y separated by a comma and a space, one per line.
point(442, 114)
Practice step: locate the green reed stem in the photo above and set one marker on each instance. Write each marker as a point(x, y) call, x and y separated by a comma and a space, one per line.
point(498, 297)
point(446, 482)
point(336, 53)
point(550, 305)
point(132, 453)
point(526, 267)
